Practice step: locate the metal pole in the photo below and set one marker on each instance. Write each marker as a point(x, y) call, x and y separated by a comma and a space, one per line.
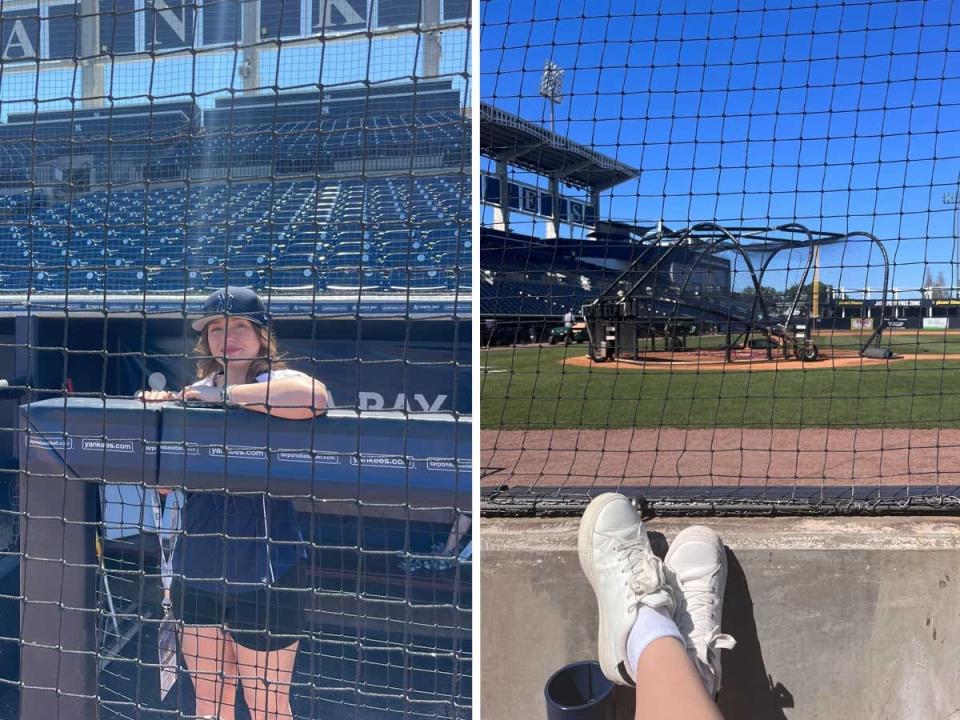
point(432, 48)
point(953, 198)
point(815, 305)
point(249, 70)
point(91, 60)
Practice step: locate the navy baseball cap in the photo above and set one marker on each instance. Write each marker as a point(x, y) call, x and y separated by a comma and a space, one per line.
point(234, 302)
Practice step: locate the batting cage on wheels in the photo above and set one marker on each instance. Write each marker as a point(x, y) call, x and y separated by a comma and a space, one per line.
point(758, 288)
point(716, 272)
point(235, 351)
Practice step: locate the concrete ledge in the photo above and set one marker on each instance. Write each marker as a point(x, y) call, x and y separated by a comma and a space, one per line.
point(847, 619)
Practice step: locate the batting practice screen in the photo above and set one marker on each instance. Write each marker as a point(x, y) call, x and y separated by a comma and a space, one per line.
point(719, 265)
point(235, 359)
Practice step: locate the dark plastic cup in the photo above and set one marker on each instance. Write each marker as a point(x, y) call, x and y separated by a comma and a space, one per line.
point(579, 691)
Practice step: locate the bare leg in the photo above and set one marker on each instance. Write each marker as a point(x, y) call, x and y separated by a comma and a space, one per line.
point(460, 527)
point(669, 686)
point(212, 665)
point(265, 677)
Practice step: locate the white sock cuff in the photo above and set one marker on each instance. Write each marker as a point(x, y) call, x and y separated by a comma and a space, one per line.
point(651, 624)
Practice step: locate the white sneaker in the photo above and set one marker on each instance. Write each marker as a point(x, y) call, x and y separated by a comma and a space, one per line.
point(697, 570)
point(624, 573)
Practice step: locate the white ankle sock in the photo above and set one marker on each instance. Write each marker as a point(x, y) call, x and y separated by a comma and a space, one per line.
point(651, 624)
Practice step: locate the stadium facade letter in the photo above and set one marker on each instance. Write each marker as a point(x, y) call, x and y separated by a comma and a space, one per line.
point(339, 15)
point(21, 35)
point(537, 201)
point(49, 31)
point(170, 24)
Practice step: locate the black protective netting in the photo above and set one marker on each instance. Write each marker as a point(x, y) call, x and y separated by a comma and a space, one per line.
point(291, 539)
point(718, 262)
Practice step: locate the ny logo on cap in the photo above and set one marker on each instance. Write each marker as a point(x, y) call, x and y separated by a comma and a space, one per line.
point(224, 302)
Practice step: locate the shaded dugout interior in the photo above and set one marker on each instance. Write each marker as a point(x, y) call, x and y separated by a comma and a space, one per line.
point(367, 363)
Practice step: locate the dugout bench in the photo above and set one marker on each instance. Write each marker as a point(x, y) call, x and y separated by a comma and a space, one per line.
point(380, 461)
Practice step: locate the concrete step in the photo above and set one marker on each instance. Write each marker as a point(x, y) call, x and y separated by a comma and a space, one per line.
point(854, 619)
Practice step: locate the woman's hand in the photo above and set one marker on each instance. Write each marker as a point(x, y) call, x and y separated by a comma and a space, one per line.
point(156, 395)
point(203, 393)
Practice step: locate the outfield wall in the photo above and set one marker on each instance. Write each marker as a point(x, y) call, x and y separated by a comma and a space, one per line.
point(836, 619)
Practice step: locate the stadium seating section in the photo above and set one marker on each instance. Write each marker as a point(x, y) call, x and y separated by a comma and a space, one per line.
point(530, 276)
point(385, 234)
point(264, 222)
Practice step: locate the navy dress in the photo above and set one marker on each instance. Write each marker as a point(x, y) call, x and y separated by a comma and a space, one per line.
point(239, 563)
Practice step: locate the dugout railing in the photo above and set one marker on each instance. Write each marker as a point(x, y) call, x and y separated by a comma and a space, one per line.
point(377, 463)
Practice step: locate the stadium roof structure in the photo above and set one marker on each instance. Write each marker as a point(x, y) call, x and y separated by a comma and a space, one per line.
point(188, 110)
point(530, 146)
point(618, 230)
point(395, 98)
point(772, 239)
point(495, 242)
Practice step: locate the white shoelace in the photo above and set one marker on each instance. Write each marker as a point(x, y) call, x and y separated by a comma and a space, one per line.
point(705, 654)
point(716, 640)
point(700, 601)
point(642, 569)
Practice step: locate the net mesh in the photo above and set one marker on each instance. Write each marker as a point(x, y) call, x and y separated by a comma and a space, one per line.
point(718, 261)
point(219, 554)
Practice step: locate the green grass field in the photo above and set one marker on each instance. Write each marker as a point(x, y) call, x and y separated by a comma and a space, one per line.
point(531, 388)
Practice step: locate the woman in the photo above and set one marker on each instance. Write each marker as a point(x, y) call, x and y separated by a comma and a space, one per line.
point(239, 564)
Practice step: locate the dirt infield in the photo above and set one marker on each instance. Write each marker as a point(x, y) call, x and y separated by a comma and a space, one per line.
point(719, 457)
point(755, 361)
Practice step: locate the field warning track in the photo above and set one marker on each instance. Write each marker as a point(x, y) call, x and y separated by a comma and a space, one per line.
point(635, 458)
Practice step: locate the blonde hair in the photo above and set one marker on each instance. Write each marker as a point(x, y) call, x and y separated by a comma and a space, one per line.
point(268, 359)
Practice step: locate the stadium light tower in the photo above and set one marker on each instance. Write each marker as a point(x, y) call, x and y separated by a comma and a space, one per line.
point(551, 87)
point(953, 198)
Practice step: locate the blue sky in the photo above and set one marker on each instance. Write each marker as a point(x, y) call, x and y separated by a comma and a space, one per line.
point(843, 116)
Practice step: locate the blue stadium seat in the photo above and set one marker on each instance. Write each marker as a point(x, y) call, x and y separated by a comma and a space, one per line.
point(454, 260)
point(406, 260)
point(84, 281)
point(125, 280)
point(166, 280)
point(279, 279)
point(463, 279)
point(420, 280)
point(349, 234)
point(352, 280)
point(195, 281)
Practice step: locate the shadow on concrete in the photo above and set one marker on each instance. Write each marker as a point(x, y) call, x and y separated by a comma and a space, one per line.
point(748, 690)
